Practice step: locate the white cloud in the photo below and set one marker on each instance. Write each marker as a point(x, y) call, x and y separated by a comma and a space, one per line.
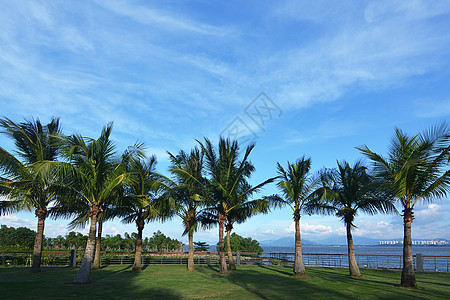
point(431, 214)
point(112, 230)
point(377, 230)
point(53, 229)
point(383, 224)
point(269, 231)
point(307, 229)
point(12, 220)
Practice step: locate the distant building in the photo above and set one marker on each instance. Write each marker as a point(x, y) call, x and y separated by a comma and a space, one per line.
point(418, 243)
point(390, 242)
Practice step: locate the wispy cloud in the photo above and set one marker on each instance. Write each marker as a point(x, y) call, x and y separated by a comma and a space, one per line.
point(165, 19)
point(360, 54)
point(166, 73)
point(331, 128)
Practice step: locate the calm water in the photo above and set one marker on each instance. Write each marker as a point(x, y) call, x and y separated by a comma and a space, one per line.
point(342, 249)
point(430, 263)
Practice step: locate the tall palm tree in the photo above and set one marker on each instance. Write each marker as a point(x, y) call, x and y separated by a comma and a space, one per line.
point(413, 171)
point(93, 178)
point(141, 189)
point(301, 192)
point(80, 212)
point(187, 194)
point(349, 190)
point(240, 211)
point(25, 188)
point(227, 176)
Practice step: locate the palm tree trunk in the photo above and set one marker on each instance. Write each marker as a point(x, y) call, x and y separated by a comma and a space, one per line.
point(408, 277)
point(83, 274)
point(37, 250)
point(223, 261)
point(352, 265)
point(190, 265)
point(138, 256)
point(299, 267)
point(230, 254)
point(98, 244)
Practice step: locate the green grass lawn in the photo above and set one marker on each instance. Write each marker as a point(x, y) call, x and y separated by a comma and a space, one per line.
point(249, 282)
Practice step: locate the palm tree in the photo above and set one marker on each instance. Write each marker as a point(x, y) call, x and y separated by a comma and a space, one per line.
point(301, 193)
point(240, 211)
point(138, 206)
point(25, 188)
point(227, 177)
point(414, 171)
point(80, 212)
point(350, 189)
point(187, 193)
point(93, 178)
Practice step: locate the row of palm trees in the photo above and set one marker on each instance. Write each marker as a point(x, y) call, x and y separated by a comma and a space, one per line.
point(84, 179)
point(341, 191)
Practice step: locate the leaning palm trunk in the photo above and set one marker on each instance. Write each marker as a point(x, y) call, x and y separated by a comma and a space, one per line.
point(230, 254)
point(98, 244)
point(138, 257)
point(190, 265)
point(37, 250)
point(408, 277)
point(299, 267)
point(352, 265)
point(223, 261)
point(83, 274)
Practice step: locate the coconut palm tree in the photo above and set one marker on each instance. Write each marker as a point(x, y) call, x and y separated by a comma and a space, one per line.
point(80, 210)
point(349, 190)
point(227, 177)
point(80, 213)
point(24, 187)
point(301, 192)
point(240, 211)
point(93, 178)
point(138, 205)
point(413, 171)
point(187, 194)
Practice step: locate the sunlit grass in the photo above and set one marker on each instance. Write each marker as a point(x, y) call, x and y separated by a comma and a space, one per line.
point(248, 282)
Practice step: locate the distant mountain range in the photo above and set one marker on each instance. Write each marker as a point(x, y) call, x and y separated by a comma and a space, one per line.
point(336, 240)
point(284, 242)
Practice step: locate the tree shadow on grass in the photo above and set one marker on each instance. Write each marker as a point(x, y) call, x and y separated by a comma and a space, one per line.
point(285, 271)
point(216, 271)
point(430, 282)
point(443, 278)
point(159, 293)
point(267, 283)
point(214, 268)
point(386, 288)
point(124, 269)
point(121, 283)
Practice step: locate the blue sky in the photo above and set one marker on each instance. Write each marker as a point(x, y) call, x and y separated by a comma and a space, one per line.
point(336, 76)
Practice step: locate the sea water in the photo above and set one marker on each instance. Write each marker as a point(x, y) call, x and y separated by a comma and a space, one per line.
point(342, 249)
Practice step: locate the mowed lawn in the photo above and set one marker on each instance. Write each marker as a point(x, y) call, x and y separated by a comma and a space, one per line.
point(248, 282)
